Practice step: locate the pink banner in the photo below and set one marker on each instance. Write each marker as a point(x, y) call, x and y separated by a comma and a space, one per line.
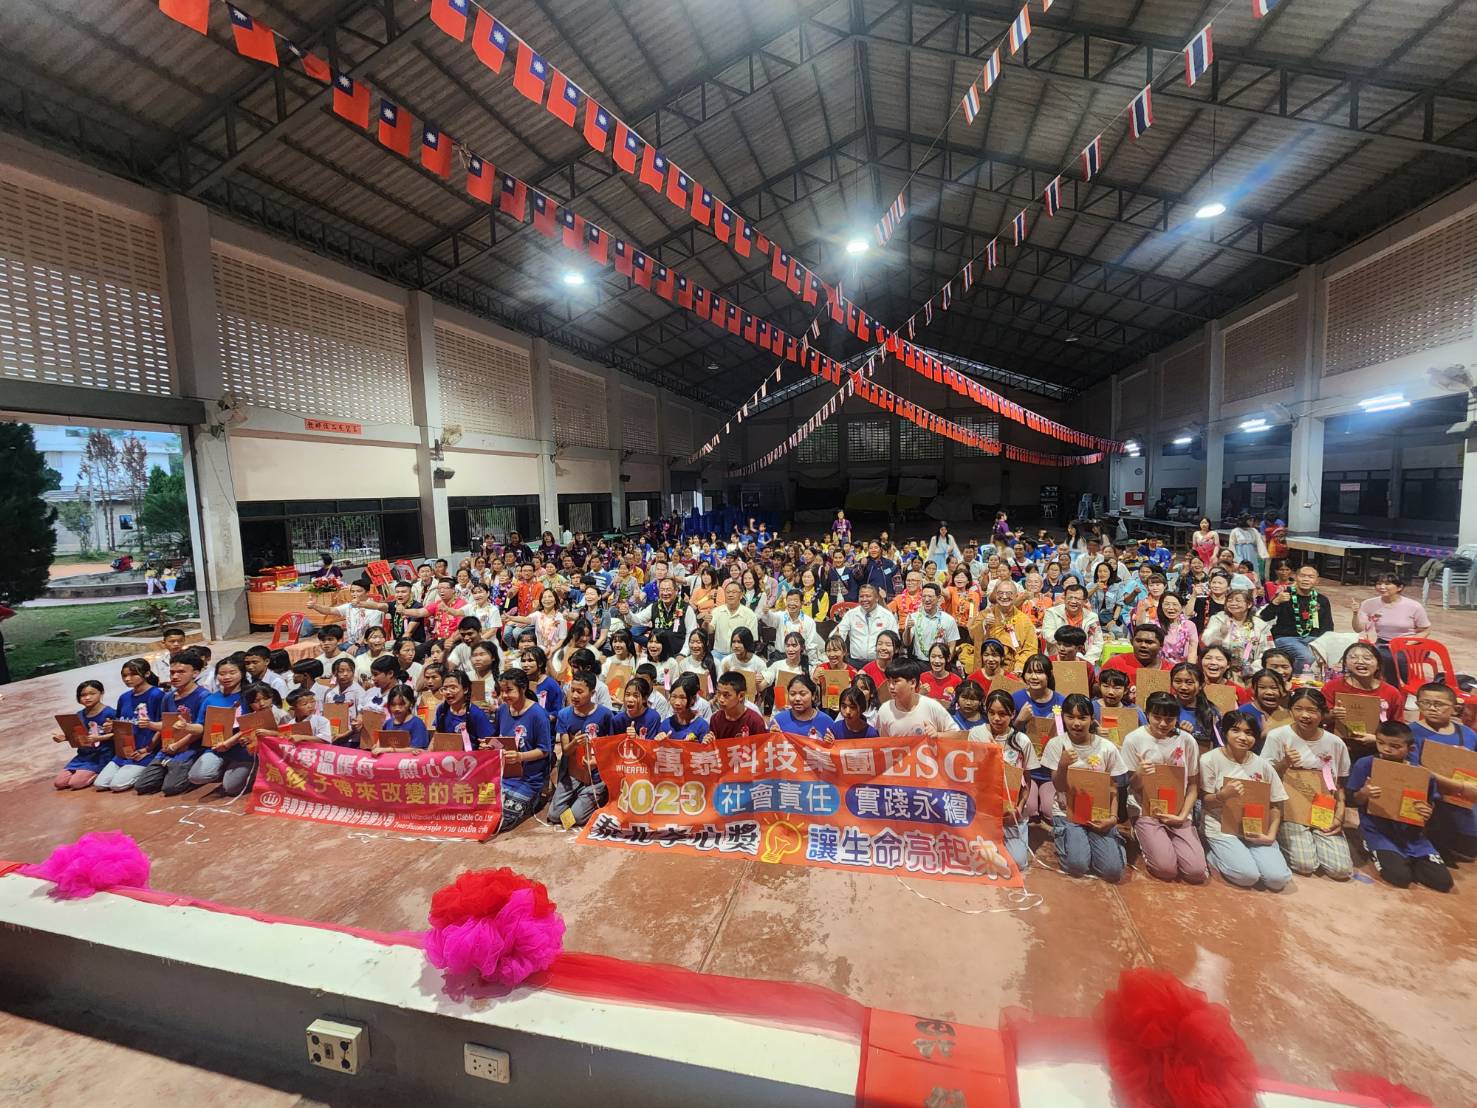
point(421, 792)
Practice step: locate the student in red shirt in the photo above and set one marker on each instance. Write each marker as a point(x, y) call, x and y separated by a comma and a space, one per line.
point(889, 646)
point(1148, 639)
point(992, 663)
point(734, 719)
point(940, 680)
point(1361, 676)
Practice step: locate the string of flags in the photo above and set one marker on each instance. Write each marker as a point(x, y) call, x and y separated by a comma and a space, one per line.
point(1198, 55)
point(748, 406)
point(534, 77)
point(800, 434)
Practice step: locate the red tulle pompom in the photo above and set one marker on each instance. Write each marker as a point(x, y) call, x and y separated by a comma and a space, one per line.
point(1377, 1088)
point(1169, 1047)
point(478, 894)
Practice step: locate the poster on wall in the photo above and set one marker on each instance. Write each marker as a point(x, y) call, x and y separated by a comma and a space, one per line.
point(1258, 494)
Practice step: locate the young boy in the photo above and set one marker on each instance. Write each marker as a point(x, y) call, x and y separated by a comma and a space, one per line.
point(1454, 829)
point(581, 720)
point(258, 659)
point(330, 644)
point(734, 719)
point(384, 675)
point(1402, 852)
point(174, 642)
point(908, 713)
point(303, 703)
point(657, 700)
point(1071, 643)
point(469, 634)
point(305, 675)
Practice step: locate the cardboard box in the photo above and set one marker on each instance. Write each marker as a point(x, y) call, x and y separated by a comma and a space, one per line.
point(1148, 681)
point(371, 723)
point(1250, 813)
point(1071, 677)
point(1308, 803)
point(1092, 794)
point(1443, 759)
point(832, 681)
point(1361, 715)
point(219, 724)
point(1222, 697)
point(1402, 786)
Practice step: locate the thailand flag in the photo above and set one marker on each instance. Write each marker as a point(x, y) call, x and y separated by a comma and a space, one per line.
point(928, 313)
point(884, 228)
point(1053, 195)
point(1141, 112)
point(1020, 30)
point(992, 254)
point(948, 295)
point(899, 208)
point(1018, 226)
point(1198, 56)
point(1260, 8)
point(1092, 158)
point(971, 104)
point(968, 274)
point(991, 73)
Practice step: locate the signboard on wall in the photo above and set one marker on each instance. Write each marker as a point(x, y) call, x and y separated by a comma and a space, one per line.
point(336, 426)
point(1133, 499)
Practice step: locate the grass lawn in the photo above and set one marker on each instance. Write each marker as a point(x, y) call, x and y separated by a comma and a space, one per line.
point(31, 633)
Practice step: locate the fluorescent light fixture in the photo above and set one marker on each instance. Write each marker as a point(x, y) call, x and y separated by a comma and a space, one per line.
point(1070, 338)
point(1184, 440)
point(1258, 424)
point(1387, 403)
point(1211, 210)
point(857, 246)
point(574, 280)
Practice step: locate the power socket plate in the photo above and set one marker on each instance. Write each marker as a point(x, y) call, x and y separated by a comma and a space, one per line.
point(336, 1045)
point(488, 1063)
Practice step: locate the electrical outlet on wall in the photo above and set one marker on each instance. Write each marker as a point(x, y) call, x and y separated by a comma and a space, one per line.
point(486, 1062)
point(336, 1045)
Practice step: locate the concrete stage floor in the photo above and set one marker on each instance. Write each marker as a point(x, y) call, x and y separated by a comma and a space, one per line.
point(1322, 976)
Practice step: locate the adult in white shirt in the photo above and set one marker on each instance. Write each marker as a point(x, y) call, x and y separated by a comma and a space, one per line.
point(357, 619)
point(908, 713)
point(792, 619)
point(728, 617)
point(930, 624)
point(1074, 612)
point(860, 627)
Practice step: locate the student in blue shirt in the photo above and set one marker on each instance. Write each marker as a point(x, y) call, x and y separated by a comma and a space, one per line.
point(969, 705)
point(581, 722)
point(637, 717)
point(169, 771)
point(800, 716)
point(457, 715)
point(1402, 851)
point(231, 764)
point(88, 761)
point(143, 702)
point(852, 722)
point(684, 724)
point(400, 704)
point(522, 720)
point(1454, 828)
point(1039, 696)
point(546, 690)
point(1268, 696)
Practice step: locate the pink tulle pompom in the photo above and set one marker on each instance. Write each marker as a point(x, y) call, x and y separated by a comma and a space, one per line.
point(97, 861)
point(493, 927)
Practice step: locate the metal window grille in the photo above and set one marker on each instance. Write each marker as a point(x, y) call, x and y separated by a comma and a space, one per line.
point(580, 416)
point(1261, 353)
point(486, 386)
point(868, 441)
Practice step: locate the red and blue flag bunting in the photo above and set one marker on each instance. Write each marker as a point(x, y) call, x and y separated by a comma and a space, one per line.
point(597, 245)
point(531, 75)
point(513, 197)
point(1260, 8)
point(653, 170)
point(573, 229)
point(1020, 29)
point(544, 221)
point(436, 151)
point(1018, 226)
point(991, 73)
point(1198, 56)
point(351, 100)
point(597, 126)
point(253, 39)
point(971, 104)
point(702, 206)
point(627, 147)
point(564, 97)
point(1053, 196)
point(1141, 112)
point(679, 187)
point(314, 66)
point(394, 128)
point(490, 41)
point(451, 17)
point(1092, 158)
point(479, 179)
point(194, 14)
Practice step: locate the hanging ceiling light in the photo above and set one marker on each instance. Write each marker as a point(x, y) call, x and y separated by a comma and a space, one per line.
point(574, 279)
point(857, 246)
point(1211, 210)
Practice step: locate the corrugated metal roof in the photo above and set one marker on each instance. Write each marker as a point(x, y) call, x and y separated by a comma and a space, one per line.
point(779, 108)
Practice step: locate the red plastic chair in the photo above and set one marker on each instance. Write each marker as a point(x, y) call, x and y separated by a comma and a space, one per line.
point(292, 624)
point(839, 610)
point(1423, 660)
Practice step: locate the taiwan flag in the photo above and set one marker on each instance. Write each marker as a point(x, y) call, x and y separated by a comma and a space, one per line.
point(597, 125)
point(436, 152)
point(314, 66)
point(451, 17)
point(574, 229)
point(564, 98)
point(597, 244)
point(654, 170)
point(490, 41)
point(627, 147)
point(702, 205)
point(513, 197)
point(531, 75)
point(544, 216)
point(479, 179)
point(253, 40)
point(394, 128)
point(351, 100)
point(679, 187)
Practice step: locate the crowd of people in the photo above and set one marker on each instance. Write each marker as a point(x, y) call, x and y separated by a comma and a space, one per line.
point(544, 647)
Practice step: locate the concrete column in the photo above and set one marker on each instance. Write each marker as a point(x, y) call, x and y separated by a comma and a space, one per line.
point(215, 526)
point(1397, 470)
point(662, 454)
point(1305, 489)
point(1467, 517)
point(425, 407)
point(616, 437)
point(1213, 442)
point(543, 430)
point(1151, 434)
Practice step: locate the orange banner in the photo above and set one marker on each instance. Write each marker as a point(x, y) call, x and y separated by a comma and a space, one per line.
point(909, 806)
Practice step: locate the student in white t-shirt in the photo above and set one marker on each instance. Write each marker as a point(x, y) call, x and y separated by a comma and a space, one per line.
point(999, 727)
point(1169, 840)
point(909, 713)
point(1093, 847)
point(1242, 859)
point(1304, 744)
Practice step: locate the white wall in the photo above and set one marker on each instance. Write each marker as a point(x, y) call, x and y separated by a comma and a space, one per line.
point(491, 474)
point(581, 475)
point(290, 469)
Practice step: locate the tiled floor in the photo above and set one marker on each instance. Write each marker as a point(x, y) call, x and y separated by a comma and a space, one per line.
point(1319, 977)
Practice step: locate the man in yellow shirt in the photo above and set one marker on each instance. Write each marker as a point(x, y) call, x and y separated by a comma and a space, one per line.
point(1012, 627)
